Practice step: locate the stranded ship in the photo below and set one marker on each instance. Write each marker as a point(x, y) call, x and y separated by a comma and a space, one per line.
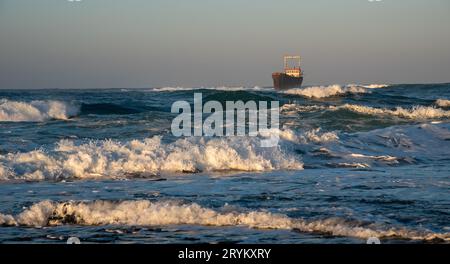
point(291, 77)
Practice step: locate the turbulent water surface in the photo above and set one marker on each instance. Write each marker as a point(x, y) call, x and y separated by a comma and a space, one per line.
point(353, 162)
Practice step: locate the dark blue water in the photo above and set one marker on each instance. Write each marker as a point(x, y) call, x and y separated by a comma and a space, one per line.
point(352, 162)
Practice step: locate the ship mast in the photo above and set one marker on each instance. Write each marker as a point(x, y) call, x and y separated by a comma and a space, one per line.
point(295, 71)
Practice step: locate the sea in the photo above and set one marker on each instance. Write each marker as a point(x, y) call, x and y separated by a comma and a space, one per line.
point(353, 162)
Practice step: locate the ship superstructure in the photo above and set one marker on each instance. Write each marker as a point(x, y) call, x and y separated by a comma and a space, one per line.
point(292, 76)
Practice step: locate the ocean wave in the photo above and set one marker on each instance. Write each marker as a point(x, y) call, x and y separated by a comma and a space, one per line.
point(148, 157)
point(35, 111)
point(390, 146)
point(326, 91)
point(219, 88)
point(309, 136)
point(443, 102)
point(317, 136)
point(375, 86)
point(385, 158)
point(398, 144)
point(289, 109)
point(416, 112)
point(311, 92)
point(355, 165)
point(147, 213)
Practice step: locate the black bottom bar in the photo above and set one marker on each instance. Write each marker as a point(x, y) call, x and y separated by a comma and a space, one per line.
point(226, 253)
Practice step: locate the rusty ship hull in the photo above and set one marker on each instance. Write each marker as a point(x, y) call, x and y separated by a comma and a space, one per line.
point(283, 81)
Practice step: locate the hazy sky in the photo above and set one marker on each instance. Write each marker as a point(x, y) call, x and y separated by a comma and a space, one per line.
point(152, 43)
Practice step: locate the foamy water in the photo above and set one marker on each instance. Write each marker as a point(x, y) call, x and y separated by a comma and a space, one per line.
point(418, 112)
point(326, 91)
point(353, 161)
point(150, 156)
point(35, 111)
point(443, 102)
point(375, 86)
point(146, 213)
point(415, 112)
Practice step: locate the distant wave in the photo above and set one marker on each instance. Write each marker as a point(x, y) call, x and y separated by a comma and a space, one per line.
point(375, 86)
point(220, 88)
point(311, 92)
point(443, 102)
point(356, 165)
point(325, 91)
point(416, 112)
point(146, 213)
point(290, 109)
point(148, 157)
point(35, 111)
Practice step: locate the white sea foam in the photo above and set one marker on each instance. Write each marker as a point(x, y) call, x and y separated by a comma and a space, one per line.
point(375, 86)
point(289, 109)
point(325, 91)
point(357, 165)
point(385, 159)
point(7, 220)
point(311, 92)
point(37, 111)
point(145, 157)
point(443, 102)
point(317, 136)
point(305, 137)
point(146, 213)
point(416, 112)
point(172, 89)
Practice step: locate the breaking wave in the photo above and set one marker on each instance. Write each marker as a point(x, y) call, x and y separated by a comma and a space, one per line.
point(419, 112)
point(326, 91)
point(289, 109)
point(148, 157)
point(146, 213)
point(416, 112)
point(152, 157)
point(311, 92)
point(443, 102)
point(35, 111)
point(375, 86)
point(310, 136)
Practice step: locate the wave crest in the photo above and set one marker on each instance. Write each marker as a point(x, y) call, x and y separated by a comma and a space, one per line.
point(145, 157)
point(416, 112)
point(375, 86)
point(310, 136)
point(146, 213)
point(326, 91)
point(35, 111)
point(442, 103)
